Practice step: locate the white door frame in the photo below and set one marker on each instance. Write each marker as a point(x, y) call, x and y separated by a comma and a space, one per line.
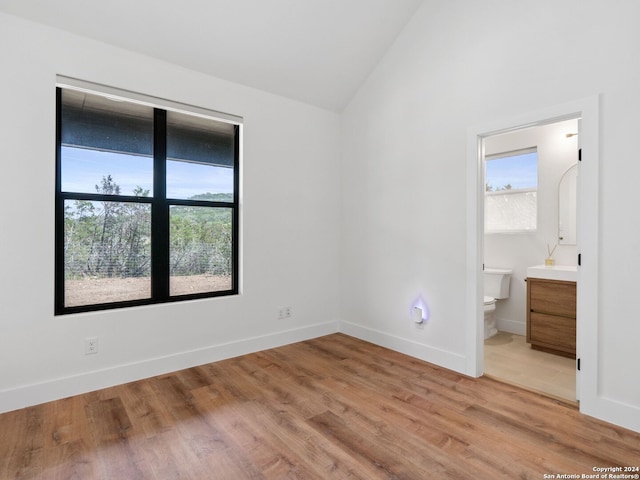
point(588, 236)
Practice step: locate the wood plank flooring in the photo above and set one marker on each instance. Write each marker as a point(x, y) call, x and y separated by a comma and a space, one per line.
point(508, 357)
point(332, 407)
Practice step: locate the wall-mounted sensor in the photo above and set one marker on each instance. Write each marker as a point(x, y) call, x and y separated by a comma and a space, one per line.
point(418, 315)
point(419, 311)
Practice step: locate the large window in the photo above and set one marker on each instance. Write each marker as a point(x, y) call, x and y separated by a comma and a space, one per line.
point(511, 197)
point(146, 203)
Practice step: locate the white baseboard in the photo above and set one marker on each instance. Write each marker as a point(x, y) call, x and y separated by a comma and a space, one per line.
point(609, 410)
point(613, 411)
point(442, 358)
point(34, 394)
point(511, 326)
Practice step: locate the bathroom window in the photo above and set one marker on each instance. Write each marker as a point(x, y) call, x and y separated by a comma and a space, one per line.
point(146, 202)
point(511, 191)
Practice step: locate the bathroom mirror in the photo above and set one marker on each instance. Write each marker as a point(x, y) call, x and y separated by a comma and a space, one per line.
point(567, 199)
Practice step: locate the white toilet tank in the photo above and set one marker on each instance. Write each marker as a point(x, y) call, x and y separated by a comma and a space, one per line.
point(496, 282)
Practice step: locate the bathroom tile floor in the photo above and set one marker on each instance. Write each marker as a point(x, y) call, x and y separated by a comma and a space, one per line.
point(509, 358)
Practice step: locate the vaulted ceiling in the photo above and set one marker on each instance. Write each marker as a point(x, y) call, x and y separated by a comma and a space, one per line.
point(315, 51)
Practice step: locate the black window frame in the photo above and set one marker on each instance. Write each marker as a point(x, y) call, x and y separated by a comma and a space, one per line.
point(160, 212)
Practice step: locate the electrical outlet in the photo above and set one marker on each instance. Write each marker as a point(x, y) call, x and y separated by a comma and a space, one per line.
point(90, 345)
point(284, 312)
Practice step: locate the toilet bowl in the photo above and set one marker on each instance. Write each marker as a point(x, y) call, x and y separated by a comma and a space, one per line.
point(490, 328)
point(496, 287)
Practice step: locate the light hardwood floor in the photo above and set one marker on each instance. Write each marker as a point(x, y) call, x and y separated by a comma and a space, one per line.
point(332, 407)
point(509, 357)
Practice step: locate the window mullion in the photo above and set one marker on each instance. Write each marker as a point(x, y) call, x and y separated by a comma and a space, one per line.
point(235, 226)
point(159, 210)
point(59, 214)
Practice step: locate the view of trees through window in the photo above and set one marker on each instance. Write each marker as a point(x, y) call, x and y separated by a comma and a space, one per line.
point(108, 248)
point(107, 240)
point(111, 196)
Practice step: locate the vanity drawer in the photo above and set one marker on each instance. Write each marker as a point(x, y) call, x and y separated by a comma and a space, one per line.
point(552, 331)
point(552, 296)
point(551, 315)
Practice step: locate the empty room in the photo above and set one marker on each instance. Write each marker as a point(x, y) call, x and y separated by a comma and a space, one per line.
point(252, 238)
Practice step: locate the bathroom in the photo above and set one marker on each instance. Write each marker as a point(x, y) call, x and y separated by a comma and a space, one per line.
point(527, 236)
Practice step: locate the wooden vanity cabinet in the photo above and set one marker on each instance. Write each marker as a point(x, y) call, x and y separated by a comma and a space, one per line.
point(551, 316)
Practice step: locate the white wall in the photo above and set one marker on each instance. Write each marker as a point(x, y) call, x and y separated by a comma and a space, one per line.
point(290, 232)
point(517, 251)
point(458, 64)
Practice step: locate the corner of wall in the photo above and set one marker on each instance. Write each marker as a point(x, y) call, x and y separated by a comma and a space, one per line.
point(442, 358)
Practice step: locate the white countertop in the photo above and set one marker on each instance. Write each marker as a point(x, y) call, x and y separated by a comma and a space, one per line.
point(567, 273)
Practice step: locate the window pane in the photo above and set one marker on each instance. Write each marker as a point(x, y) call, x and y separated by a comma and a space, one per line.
point(194, 181)
point(93, 171)
point(107, 250)
point(510, 197)
point(200, 158)
point(512, 172)
point(510, 211)
point(201, 249)
point(101, 138)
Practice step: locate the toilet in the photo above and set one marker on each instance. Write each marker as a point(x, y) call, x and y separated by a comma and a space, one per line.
point(496, 287)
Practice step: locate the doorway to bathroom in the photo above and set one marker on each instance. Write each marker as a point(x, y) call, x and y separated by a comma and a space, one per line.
point(525, 172)
point(586, 274)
